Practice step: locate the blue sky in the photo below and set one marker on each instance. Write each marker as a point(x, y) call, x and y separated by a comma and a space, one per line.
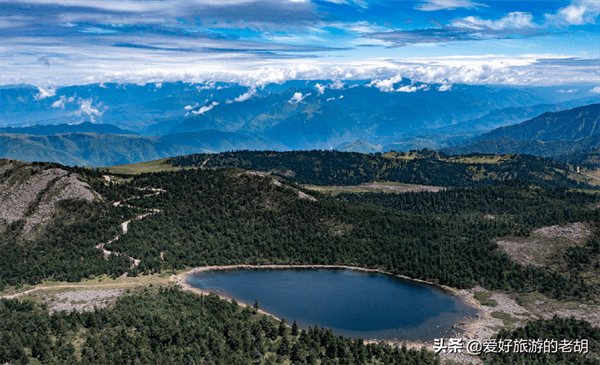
point(64, 42)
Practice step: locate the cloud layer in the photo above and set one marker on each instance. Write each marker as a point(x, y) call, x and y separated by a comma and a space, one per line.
point(59, 42)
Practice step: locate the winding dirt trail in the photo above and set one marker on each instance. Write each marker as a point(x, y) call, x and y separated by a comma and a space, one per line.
point(100, 246)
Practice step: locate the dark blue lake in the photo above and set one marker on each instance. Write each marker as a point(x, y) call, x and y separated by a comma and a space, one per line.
point(352, 303)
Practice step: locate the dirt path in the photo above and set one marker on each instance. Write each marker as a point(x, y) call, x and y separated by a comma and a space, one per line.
point(592, 176)
point(100, 246)
point(12, 296)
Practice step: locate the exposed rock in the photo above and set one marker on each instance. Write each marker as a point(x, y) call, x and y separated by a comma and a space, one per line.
point(575, 231)
point(82, 300)
point(31, 193)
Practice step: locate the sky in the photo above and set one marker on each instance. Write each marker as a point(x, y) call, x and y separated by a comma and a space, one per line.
point(254, 43)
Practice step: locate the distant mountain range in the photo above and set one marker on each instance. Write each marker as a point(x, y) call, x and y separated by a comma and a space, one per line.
point(570, 124)
point(94, 149)
point(549, 134)
point(361, 116)
point(85, 127)
point(527, 146)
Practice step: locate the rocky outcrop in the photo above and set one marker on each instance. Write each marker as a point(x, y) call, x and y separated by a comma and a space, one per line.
point(31, 192)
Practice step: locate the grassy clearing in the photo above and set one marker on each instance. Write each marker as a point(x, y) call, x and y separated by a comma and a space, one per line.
point(102, 282)
point(484, 299)
point(139, 168)
point(401, 155)
point(375, 187)
point(485, 159)
point(500, 315)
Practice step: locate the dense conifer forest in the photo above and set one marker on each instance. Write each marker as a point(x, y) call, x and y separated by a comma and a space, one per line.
point(418, 167)
point(558, 329)
point(227, 216)
point(168, 326)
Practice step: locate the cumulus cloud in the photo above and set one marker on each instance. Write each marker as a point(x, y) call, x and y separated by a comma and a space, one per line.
point(445, 87)
point(336, 85)
point(577, 13)
point(85, 106)
point(330, 99)
point(596, 90)
point(62, 101)
point(407, 89)
point(205, 108)
point(188, 107)
point(298, 98)
point(341, 97)
point(246, 95)
point(44, 93)
point(386, 85)
point(432, 5)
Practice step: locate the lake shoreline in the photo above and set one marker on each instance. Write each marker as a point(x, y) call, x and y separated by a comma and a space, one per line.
point(182, 280)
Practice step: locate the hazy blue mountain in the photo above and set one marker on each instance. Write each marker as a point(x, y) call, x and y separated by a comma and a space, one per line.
point(322, 127)
point(93, 149)
point(232, 116)
point(46, 130)
point(360, 146)
point(497, 118)
point(569, 124)
point(531, 147)
point(129, 106)
point(298, 114)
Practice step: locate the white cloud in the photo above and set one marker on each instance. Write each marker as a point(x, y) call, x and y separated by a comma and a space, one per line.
point(578, 13)
point(204, 109)
point(445, 87)
point(330, 99)
point(341, 96)
point(188, 107)
point(158, 85)
point(432, 5)
point(247, 95)
point(407, 89)
point(596, 90)
point(360, 3)
point(298, 98)
point(337, 85)
point(45, 93)
point(514, 20)
point(386, 85)
point(85, 105)
point(62, 101)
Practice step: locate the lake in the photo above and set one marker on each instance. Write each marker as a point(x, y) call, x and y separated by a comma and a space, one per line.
point(352, 303)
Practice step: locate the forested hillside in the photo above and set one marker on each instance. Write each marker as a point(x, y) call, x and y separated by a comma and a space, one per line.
point(589, 158)
point(423, 167)
point(569, 124)
point(227, 216)
point(173, 327)
point(560, 329)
